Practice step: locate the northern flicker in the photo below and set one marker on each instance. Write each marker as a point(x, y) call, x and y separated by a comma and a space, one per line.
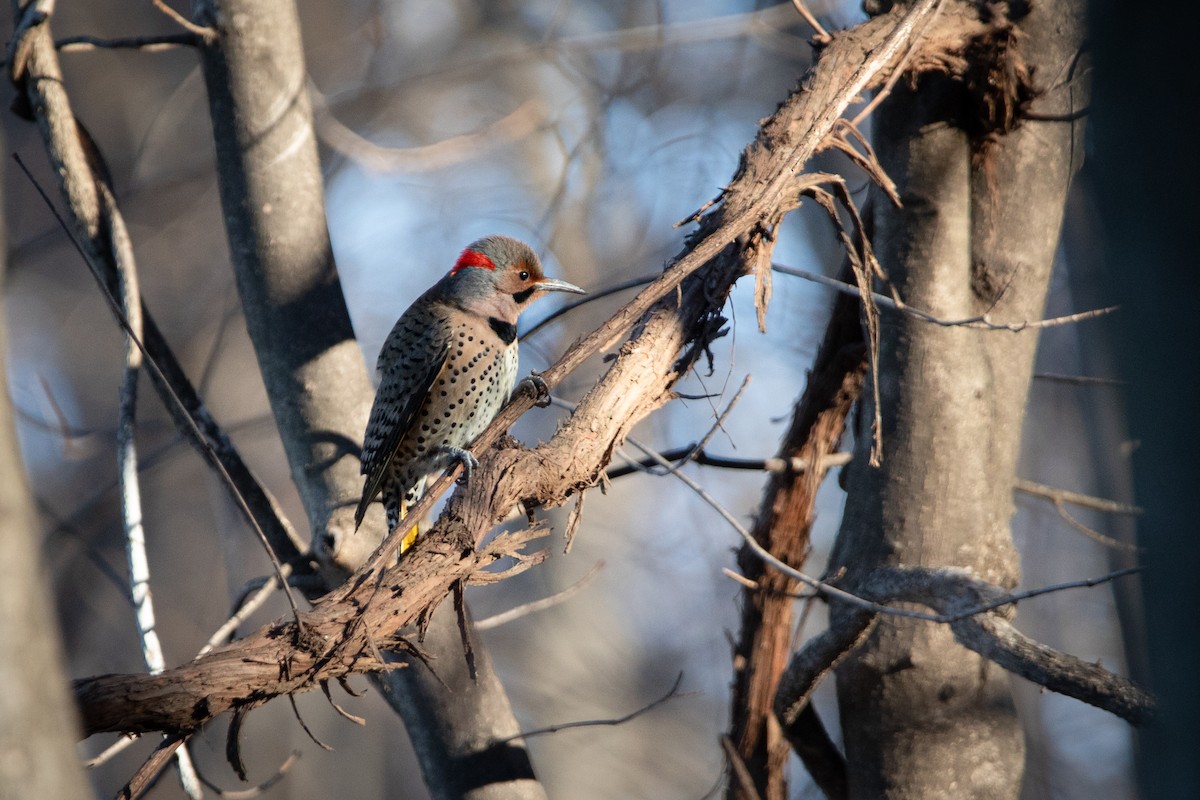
point(446, 369)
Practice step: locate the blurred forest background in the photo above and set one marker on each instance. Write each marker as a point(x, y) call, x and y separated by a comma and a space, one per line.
point(586, 128)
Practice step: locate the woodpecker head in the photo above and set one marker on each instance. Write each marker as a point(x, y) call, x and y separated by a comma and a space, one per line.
point(499, 277)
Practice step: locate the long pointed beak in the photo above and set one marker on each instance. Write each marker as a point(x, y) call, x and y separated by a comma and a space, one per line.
point(555, 285)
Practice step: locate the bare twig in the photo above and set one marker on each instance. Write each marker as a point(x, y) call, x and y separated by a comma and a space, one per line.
point(207, 34)
point(127, 465)
point(592, 295)
point(114, 749)
point(1092, 533)
point(503, 618)
point(147, 44)
point(830, 592)
point(865, 157)
point(186, 416)
point(148, 772)
point(738, 766)
point(258, 790)
point(822, 35)
point(978, 322)
point(592, 723)
point(1078, 380)
point(1057, 495)
point(865, 268)
point(961, 600)
point(1075, 498)
point(243, 608)
point(706, 459)
point(1060, 497)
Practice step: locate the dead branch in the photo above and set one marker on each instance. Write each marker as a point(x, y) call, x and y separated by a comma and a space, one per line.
point(1057, 495)
point(782, 526)
point(505, 617)
point(955, 595)
point(973, 610)
point(979, 322)
point(671, 694)
point(147, 44)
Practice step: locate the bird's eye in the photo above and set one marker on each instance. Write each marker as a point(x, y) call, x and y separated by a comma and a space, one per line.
point(524, 275)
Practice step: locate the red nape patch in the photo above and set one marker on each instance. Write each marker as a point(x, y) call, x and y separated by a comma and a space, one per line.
point(472, 258)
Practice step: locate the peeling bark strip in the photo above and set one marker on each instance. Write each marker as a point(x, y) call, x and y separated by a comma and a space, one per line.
point(345, 625)
point(783, 526)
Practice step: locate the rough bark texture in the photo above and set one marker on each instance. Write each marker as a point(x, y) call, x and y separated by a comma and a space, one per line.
point(923, 717)
point(272, 196)
point(462, 754)
point(37, 717)
point(319, 389)
point(783, 525)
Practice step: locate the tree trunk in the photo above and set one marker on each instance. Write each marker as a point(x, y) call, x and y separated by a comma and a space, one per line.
point(272, 196)
point(923, 717)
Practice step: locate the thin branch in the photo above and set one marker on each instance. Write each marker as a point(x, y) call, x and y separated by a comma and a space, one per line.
point(738, 766)
point(127, 469)
point(204, 32)
point(193, 426)
point(831, 592)
point(1092, 533)
point(978, 322)
point(505, 617)
point(592, 723)
point(706, 459)
point(127, 465)
point(114, 749)
point(144, 778)
point(1073, 116)
point(244, 606)
point(147, 44)
point(1078, 380)
point(865, 267)
point(254, 791)
point(1076, 499)
point(865, 158)
point(822, 35)
point(1060, 497)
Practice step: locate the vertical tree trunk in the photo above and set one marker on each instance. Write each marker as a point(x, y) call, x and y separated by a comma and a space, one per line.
point(923, 717)
point(272, 196)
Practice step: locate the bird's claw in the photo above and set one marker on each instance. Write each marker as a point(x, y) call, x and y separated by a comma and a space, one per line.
point(536, 386)
point(466, 458)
